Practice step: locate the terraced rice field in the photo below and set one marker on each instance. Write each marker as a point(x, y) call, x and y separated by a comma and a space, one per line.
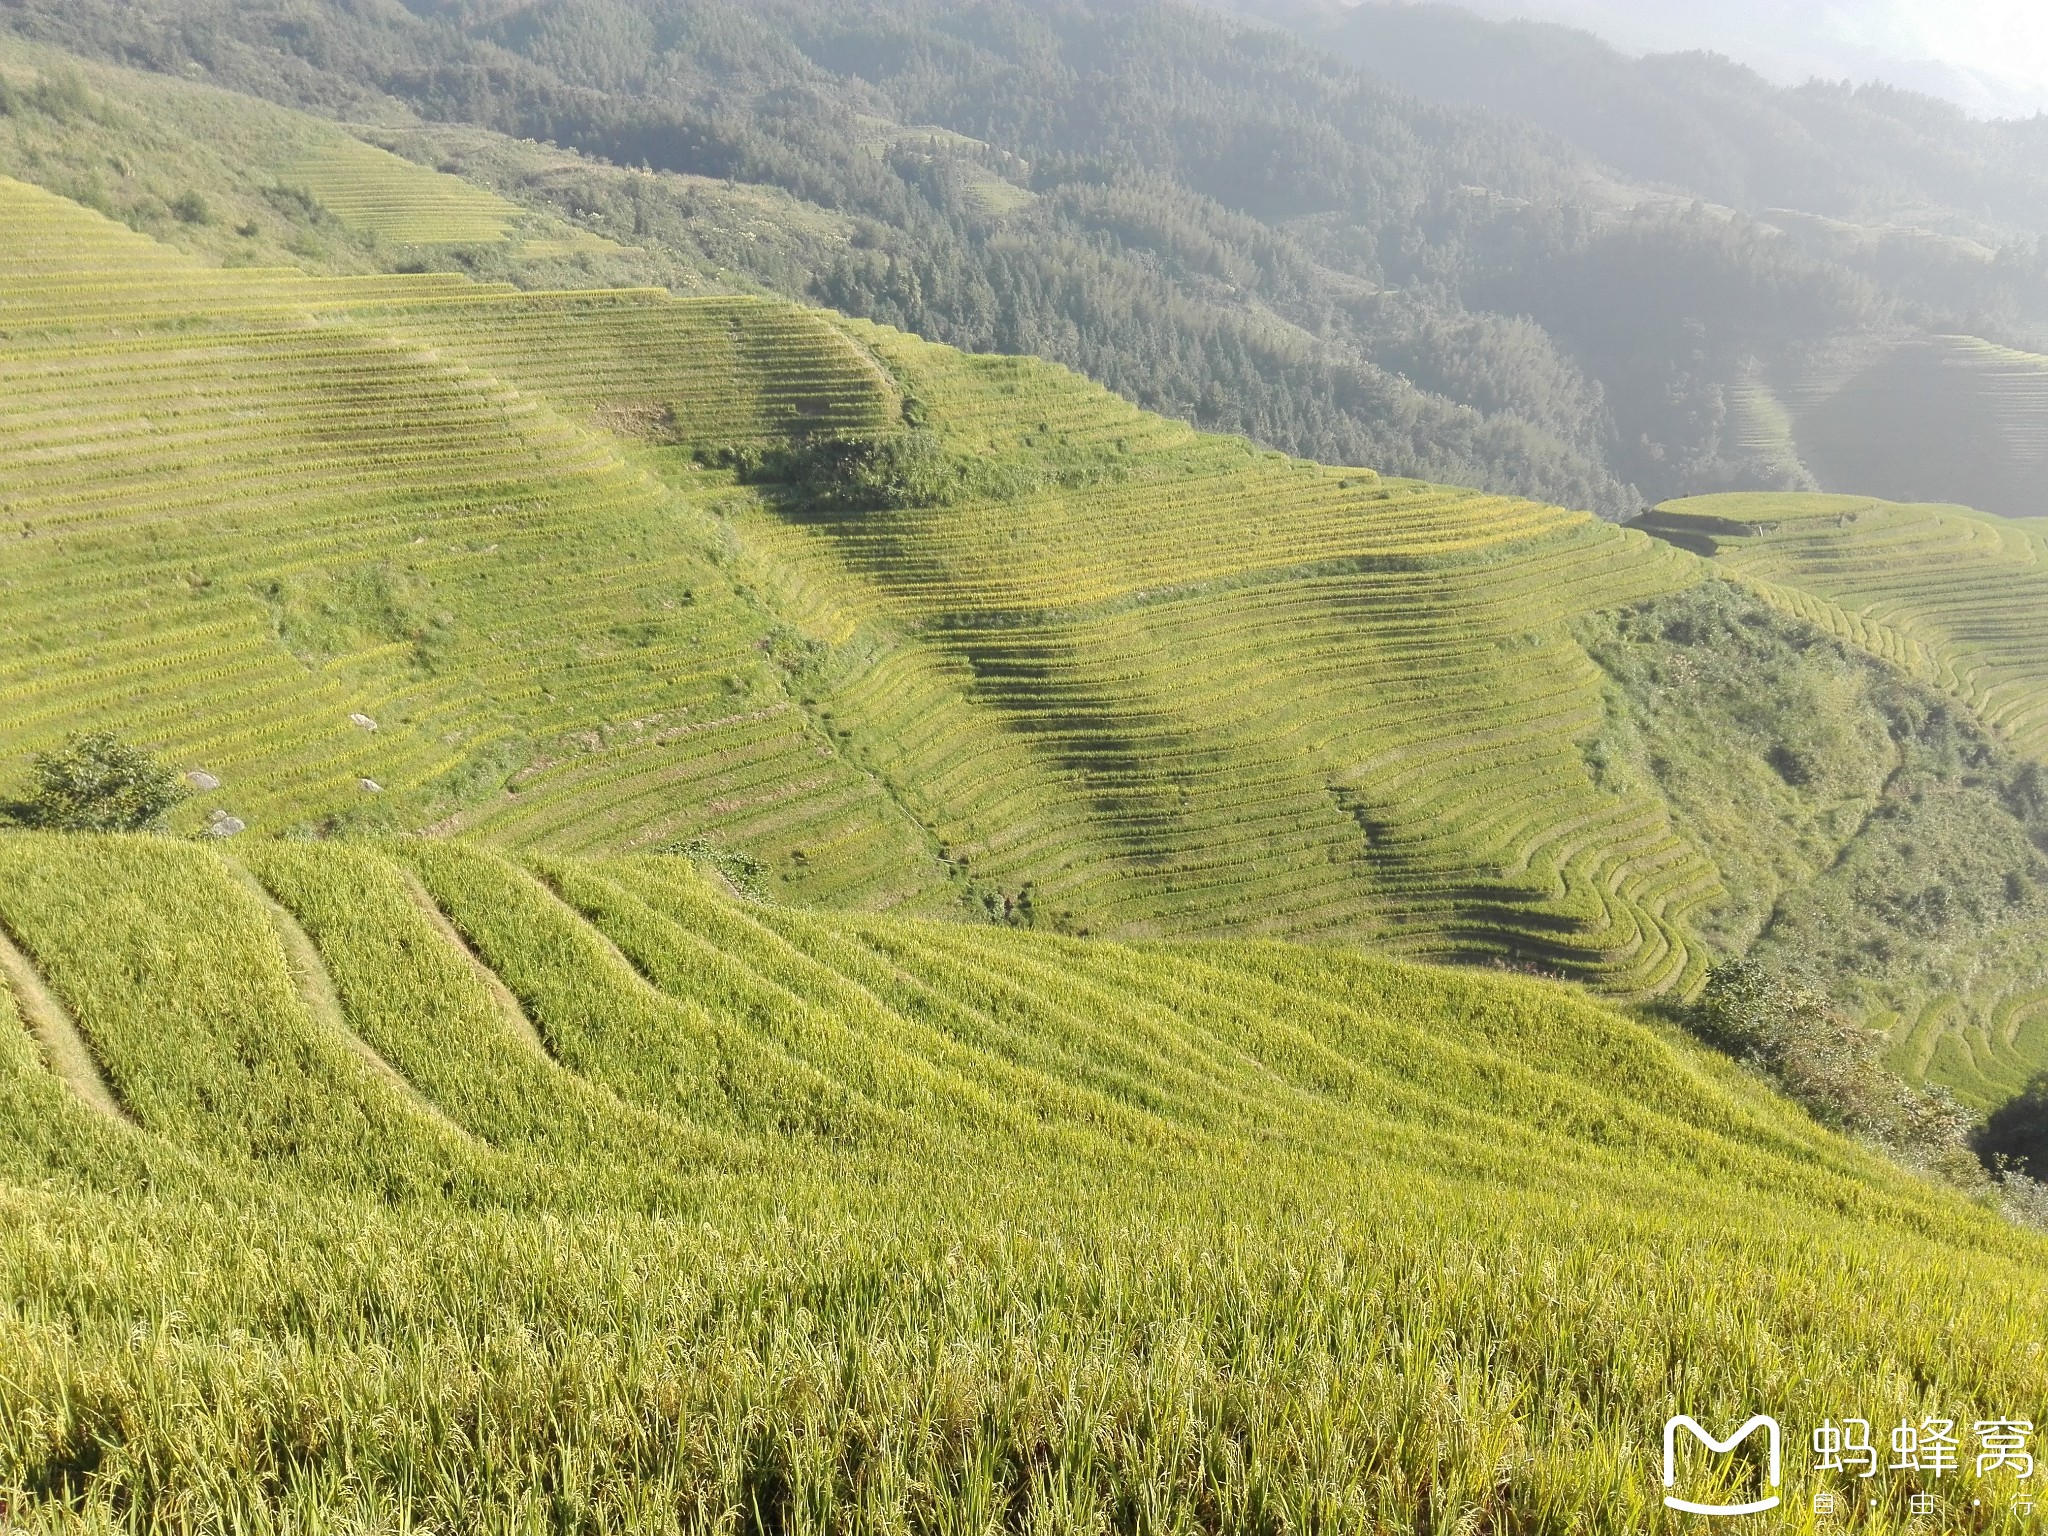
point(237, 519)
point(1761, 431)
point(1165, 681)
point(437, 1189)
point(1954, 597)
point(1949, 594)
point(1214, 688)
point(1950, 418)
point(378, 193)
point(705, 372)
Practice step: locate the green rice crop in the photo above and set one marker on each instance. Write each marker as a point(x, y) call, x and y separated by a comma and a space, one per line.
point(1138, 681)
point(1231, 1236)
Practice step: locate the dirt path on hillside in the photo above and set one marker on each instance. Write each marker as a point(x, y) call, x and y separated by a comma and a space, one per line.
point(64, 1047)
point(316, 989)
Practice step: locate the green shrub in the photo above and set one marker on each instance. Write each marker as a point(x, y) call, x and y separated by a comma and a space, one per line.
point(1829, 1063)
point(742, 871)
point(96, 782)
point(859, 473)
point(62, 94)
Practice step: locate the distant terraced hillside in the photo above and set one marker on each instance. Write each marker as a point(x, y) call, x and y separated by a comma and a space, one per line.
point(1139, 680)
point(1249, 690)
point(1932, 914)
point(1952, 418)
point(375, 191)
point(1944, 592)
point(438, 1188)
point(1942, 418)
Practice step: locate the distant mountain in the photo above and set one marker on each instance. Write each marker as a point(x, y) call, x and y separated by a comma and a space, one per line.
point(1702, 125)
point(1987, 59)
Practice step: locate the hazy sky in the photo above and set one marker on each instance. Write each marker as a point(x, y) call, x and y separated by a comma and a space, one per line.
point(1992, 55)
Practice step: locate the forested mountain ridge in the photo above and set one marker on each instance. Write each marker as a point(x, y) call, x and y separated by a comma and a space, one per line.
point(1219, 222)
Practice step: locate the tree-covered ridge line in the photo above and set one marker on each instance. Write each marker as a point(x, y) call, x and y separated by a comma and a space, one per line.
point(1220, 224)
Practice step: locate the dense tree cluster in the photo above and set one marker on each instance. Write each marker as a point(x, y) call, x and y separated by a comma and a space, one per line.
point(96, 782)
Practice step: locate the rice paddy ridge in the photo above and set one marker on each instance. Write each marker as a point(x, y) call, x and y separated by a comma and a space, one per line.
point(232, 535)
point(1209, 689)
point(218, 952)
point(1985, 1041)
point(373, 190)
point(875, 1170)
point(695, 372)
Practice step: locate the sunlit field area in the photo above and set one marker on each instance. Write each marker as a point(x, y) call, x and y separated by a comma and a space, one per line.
point(404, 1185)
point(736, 823)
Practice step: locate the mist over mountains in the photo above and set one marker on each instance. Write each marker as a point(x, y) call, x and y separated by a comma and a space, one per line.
point(1704, 126)
point(1988, 56)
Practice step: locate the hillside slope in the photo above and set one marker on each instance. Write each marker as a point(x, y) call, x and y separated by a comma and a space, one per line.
point(1944, 592)
point(1098, 672)
point(747, 157)
point(1931, 915)
point(445, 1189)
point(254, 526)
point(1351, 276)
point(571, 571)
point(1072, 678)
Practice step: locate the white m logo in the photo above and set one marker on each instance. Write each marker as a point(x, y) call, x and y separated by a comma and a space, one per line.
point(1762, 1421)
